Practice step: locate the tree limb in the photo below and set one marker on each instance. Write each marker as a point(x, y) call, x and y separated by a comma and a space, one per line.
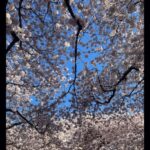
point(115, 86)
point(20, 17)
point(15, 40)
point(15, 124)
point(24, 118)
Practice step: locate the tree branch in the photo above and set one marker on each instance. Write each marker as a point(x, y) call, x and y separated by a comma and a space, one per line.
point(20, 17)
point(67, 2)
point(24, 118)
point(15, 124)
point(114, 89)
point(126, 73)
point(15, 40)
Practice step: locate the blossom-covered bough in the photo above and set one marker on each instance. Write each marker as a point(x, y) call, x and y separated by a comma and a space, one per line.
point(70, 60)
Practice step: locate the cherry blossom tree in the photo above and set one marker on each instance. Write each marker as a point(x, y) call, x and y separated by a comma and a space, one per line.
point(67, 59)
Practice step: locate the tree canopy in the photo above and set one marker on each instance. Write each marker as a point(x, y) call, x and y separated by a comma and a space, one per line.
point(67, 59)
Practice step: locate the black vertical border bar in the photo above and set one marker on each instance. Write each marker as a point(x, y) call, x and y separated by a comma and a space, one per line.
point(147, 75)
point(2, 74)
